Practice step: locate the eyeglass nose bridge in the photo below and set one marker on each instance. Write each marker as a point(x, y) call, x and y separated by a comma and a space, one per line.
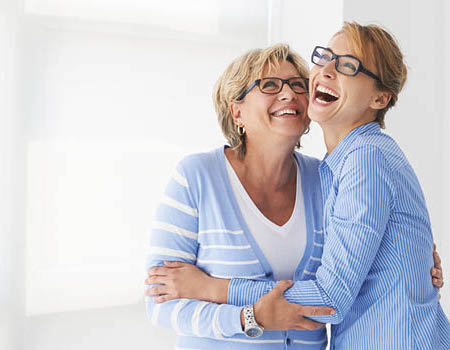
point(334, 58)
point(285, 82)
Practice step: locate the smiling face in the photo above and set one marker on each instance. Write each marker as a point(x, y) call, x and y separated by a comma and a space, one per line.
point(281, 117)
point(339, 102)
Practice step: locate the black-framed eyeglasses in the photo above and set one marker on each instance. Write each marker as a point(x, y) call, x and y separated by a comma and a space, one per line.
point(272, 86)
point(344, 64)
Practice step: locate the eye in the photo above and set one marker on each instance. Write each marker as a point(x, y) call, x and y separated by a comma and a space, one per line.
point(298, 85)
point(325, 57)
point(350, 66)
point(269, 84)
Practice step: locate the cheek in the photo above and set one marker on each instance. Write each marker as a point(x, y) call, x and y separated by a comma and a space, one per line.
point(360, 95)
point(304, 100)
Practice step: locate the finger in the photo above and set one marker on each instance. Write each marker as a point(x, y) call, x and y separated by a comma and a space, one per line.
point(281, 287)
point(310, 324)
point(316, 310)
point(298, 327)
point(158, 271)
point(162, 299)
point(157, 290)
point(156, 280)
point(437, 259)
point(437, 273)
point(438, 283)
point(174, 263)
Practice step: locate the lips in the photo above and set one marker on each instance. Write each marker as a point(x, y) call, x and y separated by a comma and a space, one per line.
point(285, 112)
point(324, 95)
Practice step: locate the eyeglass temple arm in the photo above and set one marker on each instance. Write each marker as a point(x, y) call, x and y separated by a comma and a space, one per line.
point(241, 96)
point(369, 73)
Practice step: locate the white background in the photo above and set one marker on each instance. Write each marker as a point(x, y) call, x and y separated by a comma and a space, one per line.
point(98, 99)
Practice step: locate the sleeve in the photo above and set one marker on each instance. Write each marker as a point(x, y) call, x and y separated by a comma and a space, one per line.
point(354, 233)
point(174, 237)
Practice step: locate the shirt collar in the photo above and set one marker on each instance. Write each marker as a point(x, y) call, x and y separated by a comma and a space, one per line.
point(335, 157)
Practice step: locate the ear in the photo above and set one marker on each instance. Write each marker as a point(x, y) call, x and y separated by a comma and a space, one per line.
point(235, 111)
point(381, 100)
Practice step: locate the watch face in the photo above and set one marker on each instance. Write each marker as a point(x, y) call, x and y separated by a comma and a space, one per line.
point(254, 332)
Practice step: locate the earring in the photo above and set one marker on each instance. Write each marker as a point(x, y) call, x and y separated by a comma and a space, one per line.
point(240, 130)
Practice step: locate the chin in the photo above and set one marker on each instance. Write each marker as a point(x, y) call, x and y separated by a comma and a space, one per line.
point(320, 116)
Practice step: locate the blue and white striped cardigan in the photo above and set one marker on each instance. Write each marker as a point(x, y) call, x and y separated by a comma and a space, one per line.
point(198, 221)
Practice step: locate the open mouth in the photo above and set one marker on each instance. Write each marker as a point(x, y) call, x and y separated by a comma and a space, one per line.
point(324, 95)
point(285, 113)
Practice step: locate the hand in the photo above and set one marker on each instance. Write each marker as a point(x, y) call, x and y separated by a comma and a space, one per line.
point(274, 312)
point(182, 280)
point(436, 271)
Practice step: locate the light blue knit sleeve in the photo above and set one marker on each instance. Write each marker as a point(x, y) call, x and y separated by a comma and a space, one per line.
point(174, 238)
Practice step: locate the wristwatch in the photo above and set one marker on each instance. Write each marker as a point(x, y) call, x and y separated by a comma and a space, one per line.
point(251, 328)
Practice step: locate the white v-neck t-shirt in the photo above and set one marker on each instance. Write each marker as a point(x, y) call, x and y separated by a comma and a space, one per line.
point(283, 246)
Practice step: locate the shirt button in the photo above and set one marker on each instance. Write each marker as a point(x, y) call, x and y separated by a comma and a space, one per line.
point(288, 341)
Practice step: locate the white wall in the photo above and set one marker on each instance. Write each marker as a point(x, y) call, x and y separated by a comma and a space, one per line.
point(112, 328)
point(420, 121)
point(11, 184)
point(108, 116)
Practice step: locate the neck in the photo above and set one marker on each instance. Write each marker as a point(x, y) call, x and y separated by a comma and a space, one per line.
point(334, 134)
point(271, 166)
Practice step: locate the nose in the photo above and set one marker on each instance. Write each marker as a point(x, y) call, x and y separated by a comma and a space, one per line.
point(329, 70)
point(286, 93)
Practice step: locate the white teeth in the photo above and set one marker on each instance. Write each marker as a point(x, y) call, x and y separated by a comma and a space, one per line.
point(321, 101)
point(327, 91)
point(285, 111)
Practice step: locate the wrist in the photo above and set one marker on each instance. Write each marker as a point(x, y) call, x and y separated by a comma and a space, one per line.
point(217, 290)
point(257, 310)
point(221, 290)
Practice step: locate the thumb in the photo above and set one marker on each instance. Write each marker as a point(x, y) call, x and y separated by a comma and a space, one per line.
point(281, 287)
point(174, 263)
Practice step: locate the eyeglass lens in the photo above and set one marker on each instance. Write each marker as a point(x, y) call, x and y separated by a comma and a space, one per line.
point(345, 64)
point(275, 85)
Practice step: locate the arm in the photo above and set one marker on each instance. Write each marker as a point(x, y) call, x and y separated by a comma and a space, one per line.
point(174, 237)
point(354, 234)
point(272, 311)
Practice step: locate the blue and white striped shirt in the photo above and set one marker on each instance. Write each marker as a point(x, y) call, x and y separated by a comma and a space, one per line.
point(377, 255)
point(199, 222)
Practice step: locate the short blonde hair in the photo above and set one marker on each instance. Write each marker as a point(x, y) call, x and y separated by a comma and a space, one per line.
point(238, 76)
point(376, 44)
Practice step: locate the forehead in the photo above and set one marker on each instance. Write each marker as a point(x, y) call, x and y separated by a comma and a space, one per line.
point(285, 69)
point(341, 45)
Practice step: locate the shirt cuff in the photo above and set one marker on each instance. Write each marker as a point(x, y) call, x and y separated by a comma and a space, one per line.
point(310, 293)
point(243, 292)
